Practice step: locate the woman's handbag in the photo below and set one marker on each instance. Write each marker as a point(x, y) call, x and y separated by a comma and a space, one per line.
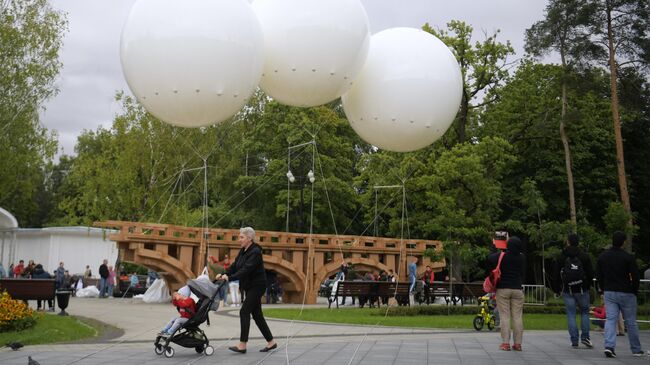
point(491, 281)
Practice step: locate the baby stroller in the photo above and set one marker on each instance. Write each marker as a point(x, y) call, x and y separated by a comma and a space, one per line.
point(190, 334)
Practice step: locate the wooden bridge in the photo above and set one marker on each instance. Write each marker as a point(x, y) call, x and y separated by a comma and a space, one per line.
point(301, 261)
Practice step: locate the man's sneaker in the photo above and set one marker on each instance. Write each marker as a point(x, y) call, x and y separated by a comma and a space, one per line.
point(609, 352)
point(574, 345)
point(640, 354)
point(587, 342)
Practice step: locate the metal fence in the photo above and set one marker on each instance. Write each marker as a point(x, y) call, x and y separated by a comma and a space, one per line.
point(534, 294)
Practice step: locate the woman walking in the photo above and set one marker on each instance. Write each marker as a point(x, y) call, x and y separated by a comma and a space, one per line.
point(510, 294)
point(248, 268)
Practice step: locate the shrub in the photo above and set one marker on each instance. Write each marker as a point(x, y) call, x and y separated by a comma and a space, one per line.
point(430, 310)
point(15, 315)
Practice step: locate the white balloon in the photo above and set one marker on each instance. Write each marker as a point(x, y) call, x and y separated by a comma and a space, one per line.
point(407, 93)
point(192, 63)
point(313, 49)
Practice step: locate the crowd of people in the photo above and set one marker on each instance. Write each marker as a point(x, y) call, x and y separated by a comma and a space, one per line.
point(63, 278)
point(33, 270)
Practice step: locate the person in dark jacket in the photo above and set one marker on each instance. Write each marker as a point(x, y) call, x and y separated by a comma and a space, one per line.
point(103, 279)
point(618, 278)
point(60, 276)
point(248, 268)
point(510, 293)
point(575, 292)
point(39, 273)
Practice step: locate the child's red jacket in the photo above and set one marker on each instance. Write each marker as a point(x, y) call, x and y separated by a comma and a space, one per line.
point(599, 312)
point(186, 307)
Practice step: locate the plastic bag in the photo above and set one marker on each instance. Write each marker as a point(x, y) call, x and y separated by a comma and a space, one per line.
point(158, 292)
point(88, 292)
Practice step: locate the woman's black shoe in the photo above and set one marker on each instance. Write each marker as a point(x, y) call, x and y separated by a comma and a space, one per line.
point(267, 349)
point(236, 349)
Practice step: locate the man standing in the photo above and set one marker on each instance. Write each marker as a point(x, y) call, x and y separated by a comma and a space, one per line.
point(412, 271)
point(618, 278)
point(103, 279)
point(573, 277)
point(60, 275)
point(428, 278)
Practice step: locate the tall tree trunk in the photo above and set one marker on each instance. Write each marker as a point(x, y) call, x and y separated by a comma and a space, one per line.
point(462, 118)
point(620, 156)
point(567, 151)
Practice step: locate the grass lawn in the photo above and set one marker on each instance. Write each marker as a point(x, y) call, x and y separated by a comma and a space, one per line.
point(376, 317)
point(50, 329)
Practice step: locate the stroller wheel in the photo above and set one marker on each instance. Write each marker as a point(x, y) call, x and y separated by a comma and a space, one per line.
point(158, 349)
point(169, 352)
point(209, 350)
point(198, 349)
point(478, 323)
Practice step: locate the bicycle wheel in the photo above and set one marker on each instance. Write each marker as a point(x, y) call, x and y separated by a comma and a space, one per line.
point(491, 323)
point(478, 323)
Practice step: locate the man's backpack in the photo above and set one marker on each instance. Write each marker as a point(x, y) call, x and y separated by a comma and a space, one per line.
point(572, 274)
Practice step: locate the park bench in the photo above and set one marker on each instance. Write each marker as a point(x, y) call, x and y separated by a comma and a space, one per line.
point(470, 291)
point(370, 291)
point(29, 289)
point(439, 289)
point(454, 293)
point(352, 289)
point(401, 292)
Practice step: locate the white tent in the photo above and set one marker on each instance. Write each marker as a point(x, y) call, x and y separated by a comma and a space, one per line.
point(8, 227)
point(75, 246)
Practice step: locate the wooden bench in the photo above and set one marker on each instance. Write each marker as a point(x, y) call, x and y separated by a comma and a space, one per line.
point(471, 291)
point(370, 291)
point(454, 293)
point(401, 293)
point(29, 289)
point(440, 289)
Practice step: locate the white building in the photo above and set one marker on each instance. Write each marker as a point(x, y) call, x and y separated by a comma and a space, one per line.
point(75, 246)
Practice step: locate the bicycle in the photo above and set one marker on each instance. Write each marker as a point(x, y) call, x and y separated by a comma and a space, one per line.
point(485, 314)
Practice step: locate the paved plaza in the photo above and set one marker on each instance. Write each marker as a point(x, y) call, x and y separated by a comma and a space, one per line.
point(309, 343)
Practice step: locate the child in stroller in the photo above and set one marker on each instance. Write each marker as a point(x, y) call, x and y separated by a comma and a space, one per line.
point(186, 308)
point(189, 334)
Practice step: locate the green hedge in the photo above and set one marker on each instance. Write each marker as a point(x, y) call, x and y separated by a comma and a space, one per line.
point(428, 310)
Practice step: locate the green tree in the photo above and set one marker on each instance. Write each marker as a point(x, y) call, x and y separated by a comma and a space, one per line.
point(140, 169)
point(483, 65)
point(30, 38)
point(620, 29)
point(634, 92)
point(564, 31)
point(452, 195)
point(332, 162)
point(528, 115)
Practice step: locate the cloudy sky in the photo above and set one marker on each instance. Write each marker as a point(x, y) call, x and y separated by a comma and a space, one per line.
point(91, 63)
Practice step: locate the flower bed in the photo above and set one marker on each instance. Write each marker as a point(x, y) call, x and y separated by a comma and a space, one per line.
point(15, 315)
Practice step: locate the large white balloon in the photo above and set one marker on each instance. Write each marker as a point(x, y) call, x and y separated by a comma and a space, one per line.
point(313, 49)
point(407, 93)
point(192, 62)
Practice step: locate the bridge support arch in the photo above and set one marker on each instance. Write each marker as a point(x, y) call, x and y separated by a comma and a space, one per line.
point(304, 260)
